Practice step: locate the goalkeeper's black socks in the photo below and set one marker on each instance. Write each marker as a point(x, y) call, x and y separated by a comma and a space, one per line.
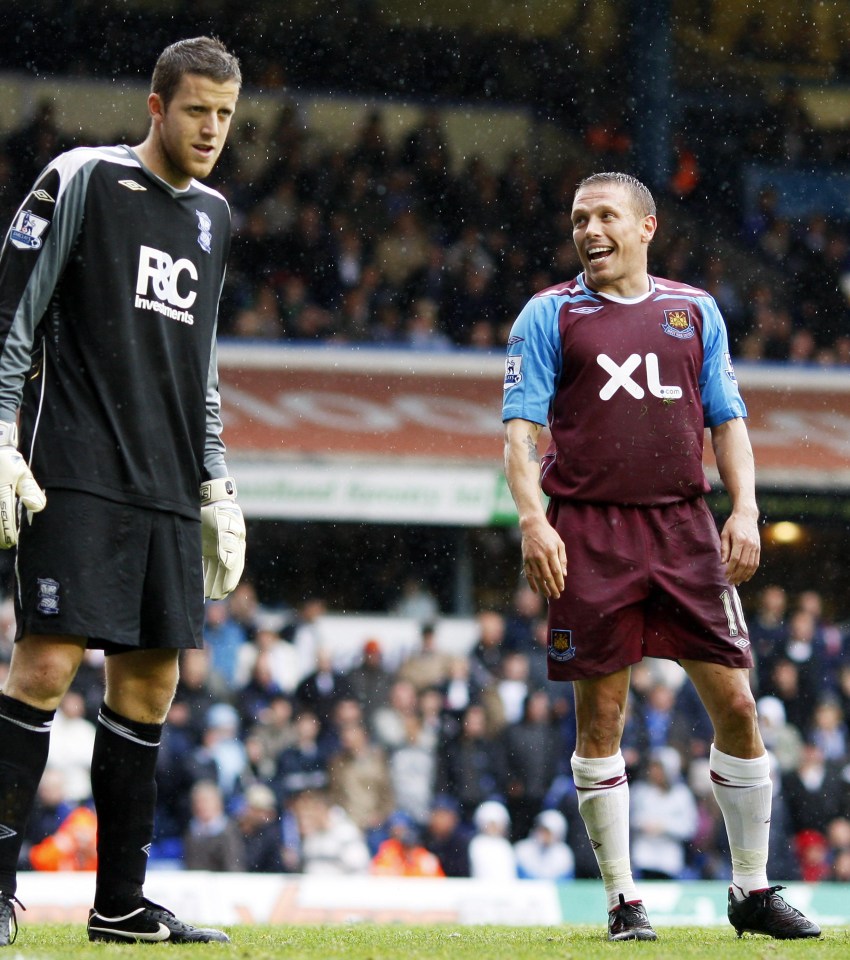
point(24, 742)
point(124, 790)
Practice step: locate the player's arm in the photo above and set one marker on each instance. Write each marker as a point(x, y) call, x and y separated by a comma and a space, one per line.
point(35, 250)
point(214, 463)
point(740, 545)
point(724, 412)
point(544, 556)
point(532, 369)
point(222, 523)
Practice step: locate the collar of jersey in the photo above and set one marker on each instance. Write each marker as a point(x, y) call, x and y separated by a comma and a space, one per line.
point(155, 176)
point(612, 298)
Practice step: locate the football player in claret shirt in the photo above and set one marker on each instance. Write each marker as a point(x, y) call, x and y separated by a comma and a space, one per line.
point(110, 277)
point(627, 370)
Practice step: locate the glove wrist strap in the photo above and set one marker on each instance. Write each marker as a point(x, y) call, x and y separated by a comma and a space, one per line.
point(223, 488)
point(8, 434)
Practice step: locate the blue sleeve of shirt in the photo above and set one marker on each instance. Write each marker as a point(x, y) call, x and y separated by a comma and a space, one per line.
point(533, 363)
point(721, 399)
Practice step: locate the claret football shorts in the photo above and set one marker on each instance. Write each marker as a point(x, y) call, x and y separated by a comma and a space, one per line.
point(641, 582)
point(122, 576)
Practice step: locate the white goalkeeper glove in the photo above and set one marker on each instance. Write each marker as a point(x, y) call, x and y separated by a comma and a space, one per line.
point(16, 480)
point(222, 537)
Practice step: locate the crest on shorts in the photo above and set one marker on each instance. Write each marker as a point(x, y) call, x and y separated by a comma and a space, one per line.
point(48, 597)
point(678, 324)
point(561, 646)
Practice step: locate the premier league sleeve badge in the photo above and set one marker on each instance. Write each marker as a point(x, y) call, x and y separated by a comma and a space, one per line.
point(27, 230)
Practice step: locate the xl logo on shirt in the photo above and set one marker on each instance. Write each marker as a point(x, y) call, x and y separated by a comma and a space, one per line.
point(621, 376)
point(161, 274)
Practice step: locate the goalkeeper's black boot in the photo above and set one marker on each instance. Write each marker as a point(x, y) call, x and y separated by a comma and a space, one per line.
point(764, 911)
point(8, 919)
point(628, 921)
point(149, 923)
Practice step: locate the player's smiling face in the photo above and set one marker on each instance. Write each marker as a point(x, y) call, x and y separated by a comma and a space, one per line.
point(191, 130)
point(612, 239)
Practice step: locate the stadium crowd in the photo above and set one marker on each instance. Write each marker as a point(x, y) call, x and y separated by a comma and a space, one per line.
point(382, 242)
point(277, 759)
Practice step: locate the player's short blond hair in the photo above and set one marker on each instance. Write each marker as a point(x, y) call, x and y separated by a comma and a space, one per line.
point(642, 199)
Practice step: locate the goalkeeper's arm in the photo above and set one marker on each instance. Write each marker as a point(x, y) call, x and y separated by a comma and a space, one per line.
point(16, 483)
point(222, 537)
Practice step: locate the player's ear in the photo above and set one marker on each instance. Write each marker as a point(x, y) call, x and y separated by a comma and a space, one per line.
point(648, 228)
point(156, 106)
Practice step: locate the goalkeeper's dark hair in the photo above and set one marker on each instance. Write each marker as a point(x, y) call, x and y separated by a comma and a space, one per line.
point(205, 56)
point(642, 199)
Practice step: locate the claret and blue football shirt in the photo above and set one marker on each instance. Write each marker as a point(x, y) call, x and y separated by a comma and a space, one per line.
point(626, 386)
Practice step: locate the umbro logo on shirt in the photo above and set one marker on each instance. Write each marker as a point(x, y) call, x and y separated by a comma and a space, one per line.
point(131, 185)
point(43, 195)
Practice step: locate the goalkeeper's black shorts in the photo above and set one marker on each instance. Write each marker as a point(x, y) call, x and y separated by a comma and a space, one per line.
point(124, 577)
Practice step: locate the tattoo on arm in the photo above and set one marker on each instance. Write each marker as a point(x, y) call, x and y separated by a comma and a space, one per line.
point(533, 455)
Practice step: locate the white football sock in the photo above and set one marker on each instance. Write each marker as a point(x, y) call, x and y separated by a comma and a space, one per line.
point(603, 802)
point(743, 792)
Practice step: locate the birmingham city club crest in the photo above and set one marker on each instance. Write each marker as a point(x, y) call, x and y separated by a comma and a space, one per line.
point(561, 646)
point(204, 228)
point(678, 324)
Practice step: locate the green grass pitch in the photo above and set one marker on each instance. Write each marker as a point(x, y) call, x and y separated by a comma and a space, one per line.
point(395, 942)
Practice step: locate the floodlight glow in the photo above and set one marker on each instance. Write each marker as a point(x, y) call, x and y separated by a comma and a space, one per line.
point(785, 532)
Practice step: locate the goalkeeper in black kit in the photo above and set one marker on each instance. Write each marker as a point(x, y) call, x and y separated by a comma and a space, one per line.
point(113, 482)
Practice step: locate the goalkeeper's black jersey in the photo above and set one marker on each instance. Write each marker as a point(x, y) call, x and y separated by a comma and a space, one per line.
point(109, 288)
